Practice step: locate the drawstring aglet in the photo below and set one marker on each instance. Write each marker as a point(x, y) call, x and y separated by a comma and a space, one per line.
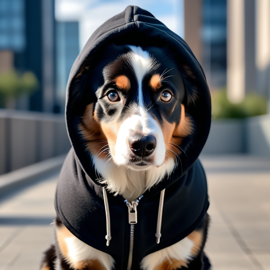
point(108, 238)
point(158, 236)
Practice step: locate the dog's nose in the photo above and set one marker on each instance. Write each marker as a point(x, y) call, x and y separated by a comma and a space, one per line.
point(143, 146)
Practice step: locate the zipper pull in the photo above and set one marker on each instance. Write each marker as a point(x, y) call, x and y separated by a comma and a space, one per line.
point(132, 213)
point(132, 210)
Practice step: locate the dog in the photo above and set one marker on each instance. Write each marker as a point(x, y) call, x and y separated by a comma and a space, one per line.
point(135, 133)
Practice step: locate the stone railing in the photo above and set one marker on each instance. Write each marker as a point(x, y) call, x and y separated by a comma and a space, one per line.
point(250, 136)
point(27, 138)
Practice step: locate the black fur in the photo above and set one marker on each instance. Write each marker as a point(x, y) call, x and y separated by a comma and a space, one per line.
point(201, 262)
point(49, 258)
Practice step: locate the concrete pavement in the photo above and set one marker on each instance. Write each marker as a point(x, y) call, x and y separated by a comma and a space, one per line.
point(239, 236)
point(239, 190)
point(25, 230)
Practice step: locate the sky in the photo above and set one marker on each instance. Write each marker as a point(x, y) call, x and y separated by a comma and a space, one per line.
point(92, 13)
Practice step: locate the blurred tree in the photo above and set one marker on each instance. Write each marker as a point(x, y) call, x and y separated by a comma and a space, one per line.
point(252, 105)
point(14, 85)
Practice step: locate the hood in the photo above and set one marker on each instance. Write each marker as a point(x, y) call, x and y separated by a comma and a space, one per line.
point(136, 26)
point(81, 199)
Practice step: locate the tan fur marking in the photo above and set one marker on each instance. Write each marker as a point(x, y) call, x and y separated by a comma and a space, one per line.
point(62, 233)
point(181, 131)
point(185, 127)
point(110, 131)
point(89, 265)
point(155, 82)
point(92, 132)
point(45, 267)
point(122, 82)
point(196, 237)
point(171, 264)
point(174, 135)
point(95, 265)
point(99, 136)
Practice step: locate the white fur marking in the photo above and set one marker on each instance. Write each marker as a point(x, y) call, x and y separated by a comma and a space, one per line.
point(143, 123)
point(141, 63)
point(179, 251)
point(79, 251)
point(128, 183)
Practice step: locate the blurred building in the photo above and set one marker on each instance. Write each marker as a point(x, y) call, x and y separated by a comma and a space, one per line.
point(27, 43)
point(206, 33)
point(241, 49)
point(231, 39)
point(214, 41)
point(248, 48)
point(67, 51)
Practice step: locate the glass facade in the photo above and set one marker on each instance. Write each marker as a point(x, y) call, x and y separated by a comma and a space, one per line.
point(12, 27)
point(214, 36)
point(67, 34)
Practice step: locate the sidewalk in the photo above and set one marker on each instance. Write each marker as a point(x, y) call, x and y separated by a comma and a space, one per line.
point(239, 236)
point(239, 190)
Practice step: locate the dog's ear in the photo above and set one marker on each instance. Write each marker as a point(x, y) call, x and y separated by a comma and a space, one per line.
point(90, 77)
point(191, 86)
point(197, 105)
point(82, 91)
point(81, 94)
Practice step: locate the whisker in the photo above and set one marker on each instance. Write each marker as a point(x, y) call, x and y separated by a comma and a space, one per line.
point(165, 71)
point(151, 106)
point(104, 151)
point(163, 79)
point(108, 154)
point(177, 159)
point(179, 148)
point(107, 162)
point(104, 146)
point(183, 150)
point(176, 156)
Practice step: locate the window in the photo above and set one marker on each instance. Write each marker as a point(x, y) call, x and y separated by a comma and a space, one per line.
point(12, 33)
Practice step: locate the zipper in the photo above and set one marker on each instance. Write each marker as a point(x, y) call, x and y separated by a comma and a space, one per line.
point(131, 245)
point(132, 220)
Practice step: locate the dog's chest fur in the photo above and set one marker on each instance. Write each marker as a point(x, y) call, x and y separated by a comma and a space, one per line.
point(78, 254)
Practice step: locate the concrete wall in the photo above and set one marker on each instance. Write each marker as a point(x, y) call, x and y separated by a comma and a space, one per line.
point(251, 136)
point(226, 137)
point(26, 138)
point(258, 135)
point(2, 145)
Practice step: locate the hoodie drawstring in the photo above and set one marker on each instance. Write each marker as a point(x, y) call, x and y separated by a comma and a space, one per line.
point(108, 237)
point(160, 212)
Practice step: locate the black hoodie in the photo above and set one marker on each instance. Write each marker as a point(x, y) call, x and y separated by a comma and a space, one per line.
point(79, 199)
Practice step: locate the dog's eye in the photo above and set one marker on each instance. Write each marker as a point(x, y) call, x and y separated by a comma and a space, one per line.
point(113, 96)
point(166, 96)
